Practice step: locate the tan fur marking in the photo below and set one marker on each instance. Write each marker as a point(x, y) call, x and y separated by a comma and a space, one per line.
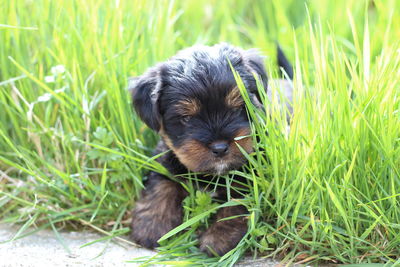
point(234, 99)
point(246, 142)
point(192, 154)
point(188, 107)
point(166, 139)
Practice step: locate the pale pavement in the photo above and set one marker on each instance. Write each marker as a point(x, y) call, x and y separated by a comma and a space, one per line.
point(44, 248)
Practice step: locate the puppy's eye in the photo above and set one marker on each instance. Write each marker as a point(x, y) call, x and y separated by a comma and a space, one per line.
point(185, 119)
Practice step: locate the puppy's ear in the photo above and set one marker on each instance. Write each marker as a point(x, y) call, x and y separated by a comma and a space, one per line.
point(145, 92)
point(284, 65)
point(255, 63)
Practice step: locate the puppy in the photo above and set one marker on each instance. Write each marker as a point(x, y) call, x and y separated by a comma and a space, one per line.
point(193, 102)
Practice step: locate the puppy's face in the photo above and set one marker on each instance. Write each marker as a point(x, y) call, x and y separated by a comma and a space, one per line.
point(205, 127)
point(193, 101)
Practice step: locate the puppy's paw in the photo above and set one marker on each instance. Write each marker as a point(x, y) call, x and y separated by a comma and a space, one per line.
point(148, 226)
point(219, 240)
point(157, 212)
point(224, 235)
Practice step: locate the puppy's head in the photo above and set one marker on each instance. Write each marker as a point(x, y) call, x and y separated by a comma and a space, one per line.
point(193, 101)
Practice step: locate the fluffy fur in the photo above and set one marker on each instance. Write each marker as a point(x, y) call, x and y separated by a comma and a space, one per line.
point(193, 102)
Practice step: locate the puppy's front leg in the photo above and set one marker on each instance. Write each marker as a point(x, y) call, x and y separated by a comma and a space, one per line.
point(158, 211)
point(224, 235)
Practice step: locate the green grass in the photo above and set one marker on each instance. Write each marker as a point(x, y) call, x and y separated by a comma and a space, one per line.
point(73, 153)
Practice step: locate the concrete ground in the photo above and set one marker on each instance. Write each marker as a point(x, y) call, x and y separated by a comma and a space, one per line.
point(44, 248)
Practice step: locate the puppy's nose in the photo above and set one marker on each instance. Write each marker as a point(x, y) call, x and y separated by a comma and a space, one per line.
point(219, 148)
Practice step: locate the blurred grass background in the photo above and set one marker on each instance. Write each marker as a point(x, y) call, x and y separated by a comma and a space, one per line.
point(73, 153)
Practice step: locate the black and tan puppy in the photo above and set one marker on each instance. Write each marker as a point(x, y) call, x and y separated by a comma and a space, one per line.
point(193, 102)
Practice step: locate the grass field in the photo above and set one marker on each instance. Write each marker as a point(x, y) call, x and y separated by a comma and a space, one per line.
point(73, 153)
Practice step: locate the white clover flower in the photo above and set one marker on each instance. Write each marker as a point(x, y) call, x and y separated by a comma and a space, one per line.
point(57, 70)
point(44, 98)
point(49, 79)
